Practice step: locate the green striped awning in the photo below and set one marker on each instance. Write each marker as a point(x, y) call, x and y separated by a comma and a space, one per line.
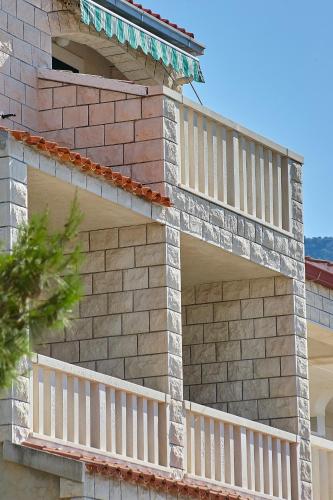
point(113, 25)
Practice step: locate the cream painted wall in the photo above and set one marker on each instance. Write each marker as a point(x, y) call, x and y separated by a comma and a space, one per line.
point(23, 483)
point(86, 60)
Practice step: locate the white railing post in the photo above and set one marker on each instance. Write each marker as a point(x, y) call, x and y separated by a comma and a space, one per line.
point(132, 425)
point(84, 411)
point(163, 433)
point(241, 457)
point(61, 406)
point(49, 403)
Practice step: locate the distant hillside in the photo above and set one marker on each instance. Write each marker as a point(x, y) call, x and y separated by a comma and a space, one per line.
point(319, 248)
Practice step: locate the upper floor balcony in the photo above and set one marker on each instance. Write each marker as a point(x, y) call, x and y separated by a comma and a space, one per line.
point(205, 154)
point(230, 165)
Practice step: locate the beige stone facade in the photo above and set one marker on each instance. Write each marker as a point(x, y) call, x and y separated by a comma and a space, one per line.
point(241, 340)
point(203, 300)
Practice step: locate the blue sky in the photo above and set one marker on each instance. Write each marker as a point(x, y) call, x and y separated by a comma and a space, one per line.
point(269, 66)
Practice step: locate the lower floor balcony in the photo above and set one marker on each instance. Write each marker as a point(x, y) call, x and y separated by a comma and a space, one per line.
point(86, 412)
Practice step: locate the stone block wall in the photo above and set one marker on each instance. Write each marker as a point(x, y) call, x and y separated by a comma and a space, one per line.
point(14, 400)
point(128, 324)
point(319, 304)
point(133, 134)
point(240, 341)
point(245, 352)
point(124, 308)
point(25, 45)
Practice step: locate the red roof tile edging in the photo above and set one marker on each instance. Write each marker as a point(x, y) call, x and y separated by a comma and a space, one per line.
point(157, 16)
point(87, 166)
point(319, 271)
point(142, 477)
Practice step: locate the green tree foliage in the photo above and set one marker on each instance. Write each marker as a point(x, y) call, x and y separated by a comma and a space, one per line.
point(39, 286)
point(319, 247)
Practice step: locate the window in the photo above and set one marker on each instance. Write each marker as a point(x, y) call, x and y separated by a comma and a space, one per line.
point(60, 65)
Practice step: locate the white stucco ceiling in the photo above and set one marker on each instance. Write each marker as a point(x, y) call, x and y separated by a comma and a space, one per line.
point(201, 262)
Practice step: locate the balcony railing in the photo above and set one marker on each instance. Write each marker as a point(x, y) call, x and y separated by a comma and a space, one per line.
point(322, 468)
point(236, 451)
point(231, 165)
point(85, 409)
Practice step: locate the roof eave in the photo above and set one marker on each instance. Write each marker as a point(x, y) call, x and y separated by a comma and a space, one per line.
point(150, 23)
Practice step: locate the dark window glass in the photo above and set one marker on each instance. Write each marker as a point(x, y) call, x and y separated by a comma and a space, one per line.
point(57, 64)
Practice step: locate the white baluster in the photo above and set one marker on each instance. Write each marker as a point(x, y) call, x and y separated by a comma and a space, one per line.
point(277, 196)
point(233, 169)
point(240, 456)
point(209, 448)
point(143, 429)
point(229, 454)
point(111, 420)
point(330, 476)
point(163, 433)
point(277, 468)
point(38, 400)
point(61, 425)
point(49, 403)
point(214, 188)
point(243, 176)
point(201, 174)
point(222, 171)
point(268, 186)
point(196, 151)
point(251, 179)
point(132, 426)
point(153, 432)
point(259, 461)
point(285, 470)
point(121, 422)
point(268, 465)
point(260, 182)
point(206, 166)
point(84, 412)
point(324, 475)
point(192, 145)
point(73, 409)
point(316, 478)
point(199, 426)
point(190, 438)
point(251, 477)
point(98, 416)
point(219, 451)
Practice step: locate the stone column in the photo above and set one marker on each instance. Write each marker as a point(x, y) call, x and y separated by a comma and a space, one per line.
point(14, 401)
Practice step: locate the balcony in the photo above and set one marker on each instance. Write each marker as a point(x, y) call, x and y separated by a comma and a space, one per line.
point(235, 167)
point(85, 410)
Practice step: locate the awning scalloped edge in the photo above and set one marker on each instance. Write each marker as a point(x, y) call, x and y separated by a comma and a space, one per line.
point(184, 64)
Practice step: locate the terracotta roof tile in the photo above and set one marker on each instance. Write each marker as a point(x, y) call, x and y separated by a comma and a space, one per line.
point(88, 166)
point(157, 16)
point(144, 476)
point(320, 271)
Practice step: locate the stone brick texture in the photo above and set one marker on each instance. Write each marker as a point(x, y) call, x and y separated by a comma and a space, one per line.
point(14, 400)
point(240, 340)
point(135, 135)
point(319, 304)
point(128, 323)
point(119, 326)
point(245, 351)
